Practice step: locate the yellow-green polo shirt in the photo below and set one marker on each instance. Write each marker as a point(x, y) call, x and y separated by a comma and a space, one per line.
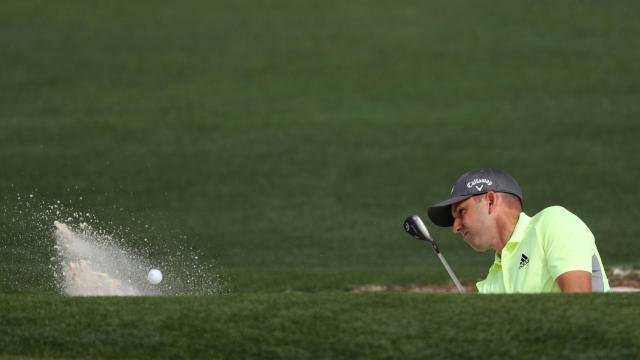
point(542, 248)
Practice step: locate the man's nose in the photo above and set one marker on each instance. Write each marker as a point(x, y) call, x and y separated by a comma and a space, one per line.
point(457, 226)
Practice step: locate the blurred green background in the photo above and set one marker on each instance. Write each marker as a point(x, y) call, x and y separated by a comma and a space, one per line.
point(286, 141)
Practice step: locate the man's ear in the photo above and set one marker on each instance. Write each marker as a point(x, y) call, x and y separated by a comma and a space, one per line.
point(491, 200)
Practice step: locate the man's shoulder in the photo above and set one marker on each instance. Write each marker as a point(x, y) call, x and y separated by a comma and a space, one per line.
point(558, 218)
point(552, 213)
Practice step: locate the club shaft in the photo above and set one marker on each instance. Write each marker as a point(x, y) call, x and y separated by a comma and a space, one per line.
point(451, 274)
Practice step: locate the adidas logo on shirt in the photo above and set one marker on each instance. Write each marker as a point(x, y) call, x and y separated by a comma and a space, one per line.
point(524, 260)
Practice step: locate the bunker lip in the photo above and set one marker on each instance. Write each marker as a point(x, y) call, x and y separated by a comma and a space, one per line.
point(620, 280)
point(418, 289)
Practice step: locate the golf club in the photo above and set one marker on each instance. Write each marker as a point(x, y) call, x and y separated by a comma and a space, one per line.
point(416, 228)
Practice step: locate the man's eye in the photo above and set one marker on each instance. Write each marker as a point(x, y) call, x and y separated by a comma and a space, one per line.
point(462, 211)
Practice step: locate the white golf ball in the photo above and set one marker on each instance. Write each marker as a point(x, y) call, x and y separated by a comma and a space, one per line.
point(154, 276)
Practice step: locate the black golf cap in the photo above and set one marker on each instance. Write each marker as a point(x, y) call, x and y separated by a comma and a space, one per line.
point(475, 182)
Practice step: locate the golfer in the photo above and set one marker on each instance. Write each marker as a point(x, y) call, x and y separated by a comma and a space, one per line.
point(552, 251)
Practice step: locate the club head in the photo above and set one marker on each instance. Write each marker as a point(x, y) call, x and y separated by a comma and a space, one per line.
point(416, 228)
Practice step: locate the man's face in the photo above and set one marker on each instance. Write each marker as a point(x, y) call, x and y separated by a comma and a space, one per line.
point(472, 220)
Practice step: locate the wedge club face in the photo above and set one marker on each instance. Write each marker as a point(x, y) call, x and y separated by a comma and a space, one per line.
point(416, 228)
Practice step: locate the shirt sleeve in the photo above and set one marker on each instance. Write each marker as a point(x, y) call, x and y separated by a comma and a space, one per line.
point(568, 243)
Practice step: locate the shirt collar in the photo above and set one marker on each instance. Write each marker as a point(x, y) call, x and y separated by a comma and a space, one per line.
point(521, 226)
point(516, 236)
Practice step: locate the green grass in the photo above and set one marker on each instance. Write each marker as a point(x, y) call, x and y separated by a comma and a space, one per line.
point(322, 326)
point(291, 138)
point(285, 142)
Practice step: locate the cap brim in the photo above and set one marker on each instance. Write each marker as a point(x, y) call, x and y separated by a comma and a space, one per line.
point(440, 213)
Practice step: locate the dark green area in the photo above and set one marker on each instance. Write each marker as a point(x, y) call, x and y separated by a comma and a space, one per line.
point(289, 140)
point(285, 142)
point(323, 326)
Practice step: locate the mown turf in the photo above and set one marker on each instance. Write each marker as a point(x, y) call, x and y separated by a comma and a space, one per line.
point(285, 142)
point(319, 326)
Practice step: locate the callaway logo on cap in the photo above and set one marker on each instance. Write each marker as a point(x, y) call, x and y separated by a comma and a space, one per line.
point(474, 182)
